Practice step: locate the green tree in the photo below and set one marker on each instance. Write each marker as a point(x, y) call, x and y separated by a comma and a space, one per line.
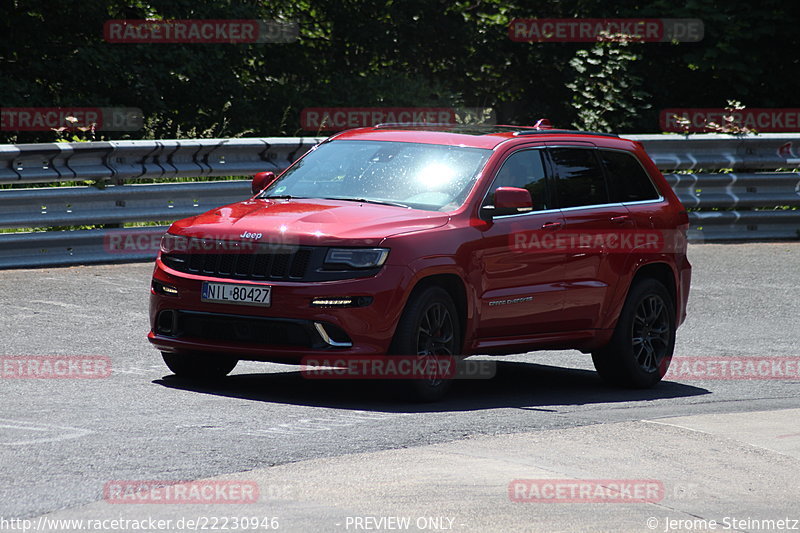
point(606, 95)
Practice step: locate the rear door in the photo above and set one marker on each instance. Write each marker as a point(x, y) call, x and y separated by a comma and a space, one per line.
point(596, 230)
point(629, 184)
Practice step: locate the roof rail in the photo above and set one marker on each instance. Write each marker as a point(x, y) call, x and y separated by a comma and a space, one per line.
point(456, 128)
point(573, 132)
point(415, 125)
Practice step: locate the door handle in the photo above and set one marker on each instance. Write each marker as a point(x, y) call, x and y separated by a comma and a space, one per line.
point(622, 219)
point(552, 225)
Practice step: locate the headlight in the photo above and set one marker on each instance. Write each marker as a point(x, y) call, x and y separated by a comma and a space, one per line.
point(356, 257)
point(174, 243)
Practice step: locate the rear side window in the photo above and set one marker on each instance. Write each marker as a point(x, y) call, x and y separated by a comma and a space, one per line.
point(627, 180)
point(525, 170)
point(580, 178)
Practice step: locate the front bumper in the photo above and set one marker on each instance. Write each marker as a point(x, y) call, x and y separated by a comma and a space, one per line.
point(289, 329)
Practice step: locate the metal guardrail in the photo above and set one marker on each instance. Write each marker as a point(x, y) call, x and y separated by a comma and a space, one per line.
point(120, 163)
point(714, 151)
point(79, 247)
point(74, 206)
point(768, 189)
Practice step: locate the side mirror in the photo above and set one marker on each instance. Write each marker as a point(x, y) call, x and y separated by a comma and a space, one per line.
point(262, 180)
point(508, 201)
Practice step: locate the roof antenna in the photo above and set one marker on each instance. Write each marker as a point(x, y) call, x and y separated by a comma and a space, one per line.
point(543, 124)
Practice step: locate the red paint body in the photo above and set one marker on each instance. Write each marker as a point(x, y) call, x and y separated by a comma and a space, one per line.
point(511, 300)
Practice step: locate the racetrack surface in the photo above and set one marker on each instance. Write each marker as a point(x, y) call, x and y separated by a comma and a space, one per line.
point(63, 440)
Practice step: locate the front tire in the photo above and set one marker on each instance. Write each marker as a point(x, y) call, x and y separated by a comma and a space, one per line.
point(641, 348)
point(199, 366)
point(429, 328)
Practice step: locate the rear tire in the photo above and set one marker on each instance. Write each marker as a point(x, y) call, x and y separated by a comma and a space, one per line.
point(199, 366)
point(428, 327)
point(641, 348)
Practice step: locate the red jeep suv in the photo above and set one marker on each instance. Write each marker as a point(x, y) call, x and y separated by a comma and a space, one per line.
point(433, 241)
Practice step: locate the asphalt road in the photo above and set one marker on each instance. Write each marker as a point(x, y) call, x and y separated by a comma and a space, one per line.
point(63, 440)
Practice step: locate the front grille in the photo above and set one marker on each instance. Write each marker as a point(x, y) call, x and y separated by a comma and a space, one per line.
point(286, 265)
point(233, 260)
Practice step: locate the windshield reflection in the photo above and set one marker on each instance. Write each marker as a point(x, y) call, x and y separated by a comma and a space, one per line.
point(414, 175)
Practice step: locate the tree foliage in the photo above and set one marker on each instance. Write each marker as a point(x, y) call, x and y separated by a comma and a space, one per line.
point(364, 53)
point(606, 95)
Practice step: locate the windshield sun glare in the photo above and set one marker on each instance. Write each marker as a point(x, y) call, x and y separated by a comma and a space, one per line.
point(413, 175)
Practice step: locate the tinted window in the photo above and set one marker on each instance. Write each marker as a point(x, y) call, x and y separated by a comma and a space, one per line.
point(627, 180)
point(524, 170)
point(580, 179)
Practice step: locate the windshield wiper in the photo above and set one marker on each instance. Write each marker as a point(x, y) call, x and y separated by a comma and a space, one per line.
point(367, 201)
point(281, 197)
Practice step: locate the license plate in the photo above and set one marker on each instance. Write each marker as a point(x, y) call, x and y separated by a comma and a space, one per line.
point(229, 293)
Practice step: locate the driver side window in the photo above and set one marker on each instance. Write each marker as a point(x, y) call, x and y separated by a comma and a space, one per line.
point(525, 170)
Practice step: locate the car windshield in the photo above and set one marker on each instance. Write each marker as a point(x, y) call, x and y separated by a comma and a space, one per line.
point(420, 176)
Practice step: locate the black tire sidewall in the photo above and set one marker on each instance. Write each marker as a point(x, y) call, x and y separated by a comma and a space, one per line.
point(198, 365)
point(616, 361)
point(405, 338)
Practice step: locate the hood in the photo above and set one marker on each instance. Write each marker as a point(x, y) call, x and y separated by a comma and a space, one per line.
point(308, 222)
